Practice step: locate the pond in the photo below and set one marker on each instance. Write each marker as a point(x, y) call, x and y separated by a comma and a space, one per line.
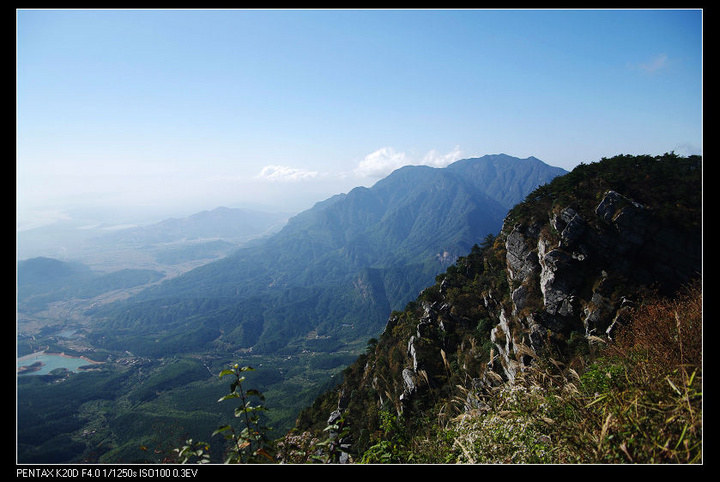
point(50, 362)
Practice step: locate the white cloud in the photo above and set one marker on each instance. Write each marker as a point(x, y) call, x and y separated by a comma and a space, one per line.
point(383, 161)
point(286, 174)
point(655, 64)
point(434, 159)
point(380, 163)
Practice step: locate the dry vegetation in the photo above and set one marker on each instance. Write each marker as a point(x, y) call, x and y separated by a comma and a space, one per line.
point(638, 401)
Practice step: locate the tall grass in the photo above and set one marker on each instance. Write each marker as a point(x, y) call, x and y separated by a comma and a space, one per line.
point(638, 401)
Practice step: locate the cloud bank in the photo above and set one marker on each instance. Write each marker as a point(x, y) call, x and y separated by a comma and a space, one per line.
point(375, 165)
point(383, 161)
point(380, 163)
point(286, 174)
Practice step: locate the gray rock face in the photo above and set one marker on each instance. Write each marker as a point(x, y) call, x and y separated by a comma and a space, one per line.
point(409, 382)
point(559, 281)
point(574, 269)
point(522, 257)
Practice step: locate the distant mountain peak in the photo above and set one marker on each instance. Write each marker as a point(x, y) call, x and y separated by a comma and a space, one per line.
point(400, 233)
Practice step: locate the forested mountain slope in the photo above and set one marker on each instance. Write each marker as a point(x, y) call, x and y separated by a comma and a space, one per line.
point(574, 263)
point(335, 270)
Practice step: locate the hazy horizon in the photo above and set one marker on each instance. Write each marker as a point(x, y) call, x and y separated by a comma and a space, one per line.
point(149, 114)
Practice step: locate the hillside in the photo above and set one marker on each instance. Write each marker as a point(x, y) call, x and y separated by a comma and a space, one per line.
point(550, 329)
point(335, 270)
point(41, 281)
point(98, 263)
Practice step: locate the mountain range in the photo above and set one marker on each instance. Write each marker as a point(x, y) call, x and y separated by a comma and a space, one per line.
point(335, 271)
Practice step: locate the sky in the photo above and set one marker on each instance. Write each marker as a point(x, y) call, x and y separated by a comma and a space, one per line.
point(170, 112)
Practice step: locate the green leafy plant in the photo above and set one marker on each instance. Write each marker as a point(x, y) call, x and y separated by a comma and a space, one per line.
point(197, 452)
point(392, 446)
point(250, 444)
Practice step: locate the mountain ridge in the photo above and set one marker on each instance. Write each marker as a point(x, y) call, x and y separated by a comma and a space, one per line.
point(406, 227)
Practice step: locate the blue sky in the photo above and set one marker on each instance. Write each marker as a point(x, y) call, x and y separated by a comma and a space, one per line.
point(176, 111)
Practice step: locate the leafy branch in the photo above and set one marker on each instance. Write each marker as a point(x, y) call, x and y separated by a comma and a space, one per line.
point(249, 445)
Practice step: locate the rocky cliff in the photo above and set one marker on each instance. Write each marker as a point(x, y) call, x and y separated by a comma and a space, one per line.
point(583, 269)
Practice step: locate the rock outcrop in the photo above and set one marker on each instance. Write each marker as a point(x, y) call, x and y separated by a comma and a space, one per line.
point(576, 268)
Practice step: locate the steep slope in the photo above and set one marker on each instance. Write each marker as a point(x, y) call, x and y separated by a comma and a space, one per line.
point(568, 262)
point(336, 269)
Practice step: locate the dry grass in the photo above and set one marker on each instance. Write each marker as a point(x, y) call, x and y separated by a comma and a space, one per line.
point(640, 401)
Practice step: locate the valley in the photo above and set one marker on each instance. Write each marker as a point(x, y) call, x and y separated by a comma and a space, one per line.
point(54, 297)
point(166, 309)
